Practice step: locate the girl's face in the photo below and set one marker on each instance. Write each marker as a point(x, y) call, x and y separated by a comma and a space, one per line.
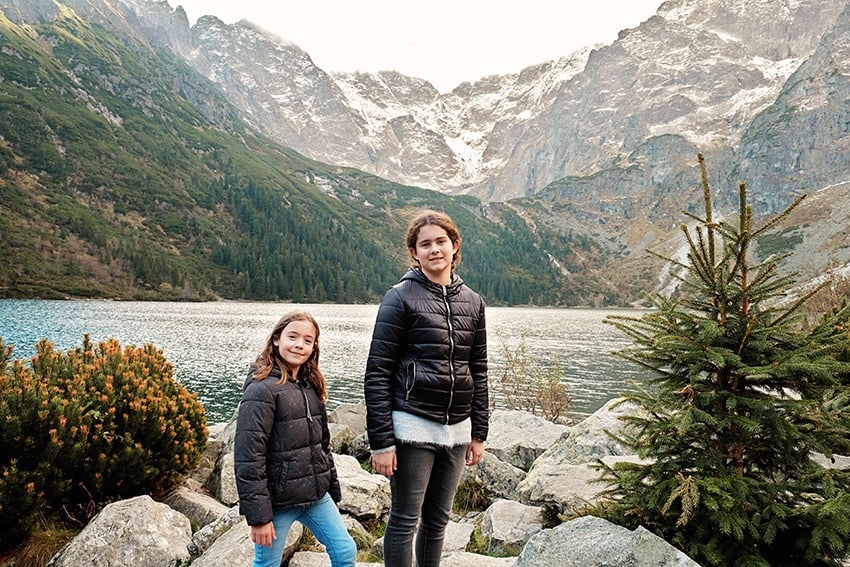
point(434, 252)
point(296, 343)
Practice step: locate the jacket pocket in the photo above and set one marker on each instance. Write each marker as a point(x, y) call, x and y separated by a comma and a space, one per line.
point(280, 476)
point(409, 379)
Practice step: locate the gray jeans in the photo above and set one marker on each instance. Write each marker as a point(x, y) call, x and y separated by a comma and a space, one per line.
point(423, 488)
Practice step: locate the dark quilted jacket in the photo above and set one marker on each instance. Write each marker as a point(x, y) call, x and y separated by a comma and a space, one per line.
point(428, 357)
point(282, 448)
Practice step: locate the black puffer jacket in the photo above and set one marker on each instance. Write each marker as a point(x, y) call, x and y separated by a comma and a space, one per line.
point(282, 448)
point(428, 357)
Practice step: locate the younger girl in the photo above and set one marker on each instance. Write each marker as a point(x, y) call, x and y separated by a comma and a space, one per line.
point(426, 390)
point(283, 464)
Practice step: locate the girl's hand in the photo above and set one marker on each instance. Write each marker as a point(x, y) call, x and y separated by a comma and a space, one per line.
point(263, 534)
point(384, 463)
point(474, 452)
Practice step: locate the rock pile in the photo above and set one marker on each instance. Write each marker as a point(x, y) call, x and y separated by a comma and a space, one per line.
point(532, 468)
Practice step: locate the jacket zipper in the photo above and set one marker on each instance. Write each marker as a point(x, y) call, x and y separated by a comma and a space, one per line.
point(309, 431)
point(306, 402)
point(451, 350)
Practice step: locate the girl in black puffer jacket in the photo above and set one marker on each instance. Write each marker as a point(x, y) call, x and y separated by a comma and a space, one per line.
point(426, 390)
point(282, 459)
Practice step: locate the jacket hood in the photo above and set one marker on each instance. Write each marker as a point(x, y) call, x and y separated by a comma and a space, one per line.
point(275, 374)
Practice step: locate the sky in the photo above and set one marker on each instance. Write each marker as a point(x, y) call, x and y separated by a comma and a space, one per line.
point(445, 42)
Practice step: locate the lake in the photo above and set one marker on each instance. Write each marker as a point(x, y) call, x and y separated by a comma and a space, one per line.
point(212, 344)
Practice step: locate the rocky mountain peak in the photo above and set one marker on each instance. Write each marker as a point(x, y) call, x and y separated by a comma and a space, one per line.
point(602, 141)
point(698, 70)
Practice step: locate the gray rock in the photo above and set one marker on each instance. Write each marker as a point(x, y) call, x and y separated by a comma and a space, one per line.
point(341, 438)
point(466, 559)
point(359, 448)
point(318, 559)
point(226, 480)
point(212, 452)
point(235, 547)
point(138, 532)
point(206, 536)
point(457, 536)
point(518, 437)
point(364, 495)
point(571, 488)
point(495, 478)
point(508, 525)
point(589, 439)
point(199, 508)
point(589, 541)
point(351, 415)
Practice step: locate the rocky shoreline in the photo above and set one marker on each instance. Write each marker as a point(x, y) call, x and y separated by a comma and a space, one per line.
point(531, 470)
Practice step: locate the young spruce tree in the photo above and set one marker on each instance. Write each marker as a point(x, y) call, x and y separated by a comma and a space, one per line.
point(743, 415)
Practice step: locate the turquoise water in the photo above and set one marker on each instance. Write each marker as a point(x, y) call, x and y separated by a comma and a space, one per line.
point(212, 344)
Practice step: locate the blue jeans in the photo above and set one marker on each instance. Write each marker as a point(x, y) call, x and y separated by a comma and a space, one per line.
point(423, 489)
point(323, 519)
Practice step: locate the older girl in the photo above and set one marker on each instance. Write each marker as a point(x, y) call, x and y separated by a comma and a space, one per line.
point(426, 390)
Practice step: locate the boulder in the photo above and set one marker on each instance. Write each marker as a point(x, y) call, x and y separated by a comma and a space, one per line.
point(364, 495)
point(466, 559)
point(495, 478)
point(568, 488)
point(225, 475)
point(206, 536)
point(590, 541)
point(235, 547)
point(589, 439)
point(359, 448)
point(318, 559)
point(458, 535)
point(201, 509)
point(518, 437)
point(351, 415)
point(206, 465)
point(341, 438)
point(508, 525)
point(138, 532)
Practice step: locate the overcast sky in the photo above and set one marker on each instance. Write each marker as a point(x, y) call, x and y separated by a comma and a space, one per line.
point(445, 42)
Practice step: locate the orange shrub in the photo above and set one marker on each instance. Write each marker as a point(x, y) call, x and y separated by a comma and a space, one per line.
point(84, 428)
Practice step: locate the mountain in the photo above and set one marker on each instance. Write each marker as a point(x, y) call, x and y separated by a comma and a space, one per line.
point(700, 70)
point(388, 124)
point(126, 174)
point(142, 157)
point(603, 139)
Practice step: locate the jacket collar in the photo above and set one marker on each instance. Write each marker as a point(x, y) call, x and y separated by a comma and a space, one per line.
point(416, 274)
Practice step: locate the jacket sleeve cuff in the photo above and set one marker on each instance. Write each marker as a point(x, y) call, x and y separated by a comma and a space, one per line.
point(389, 449)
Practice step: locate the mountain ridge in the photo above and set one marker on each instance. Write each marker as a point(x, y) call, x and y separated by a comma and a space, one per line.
point(125, 174)
point(694, 69)
point(623, 159)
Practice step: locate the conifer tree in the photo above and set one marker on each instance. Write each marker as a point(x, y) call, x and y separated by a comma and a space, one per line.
point(745, 411)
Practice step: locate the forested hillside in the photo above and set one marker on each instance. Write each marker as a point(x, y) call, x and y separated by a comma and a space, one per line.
point(124, 174)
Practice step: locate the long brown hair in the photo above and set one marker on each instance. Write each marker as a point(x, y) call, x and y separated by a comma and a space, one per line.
point(442, 220)
point(269, 356)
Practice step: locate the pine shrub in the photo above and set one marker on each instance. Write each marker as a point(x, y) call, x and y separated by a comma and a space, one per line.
point(746, 407)
point(88, 427)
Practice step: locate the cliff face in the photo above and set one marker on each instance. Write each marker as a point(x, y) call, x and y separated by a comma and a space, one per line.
point(801, 142)
point(756, 86)
point(699, 70)
point(599, 144)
